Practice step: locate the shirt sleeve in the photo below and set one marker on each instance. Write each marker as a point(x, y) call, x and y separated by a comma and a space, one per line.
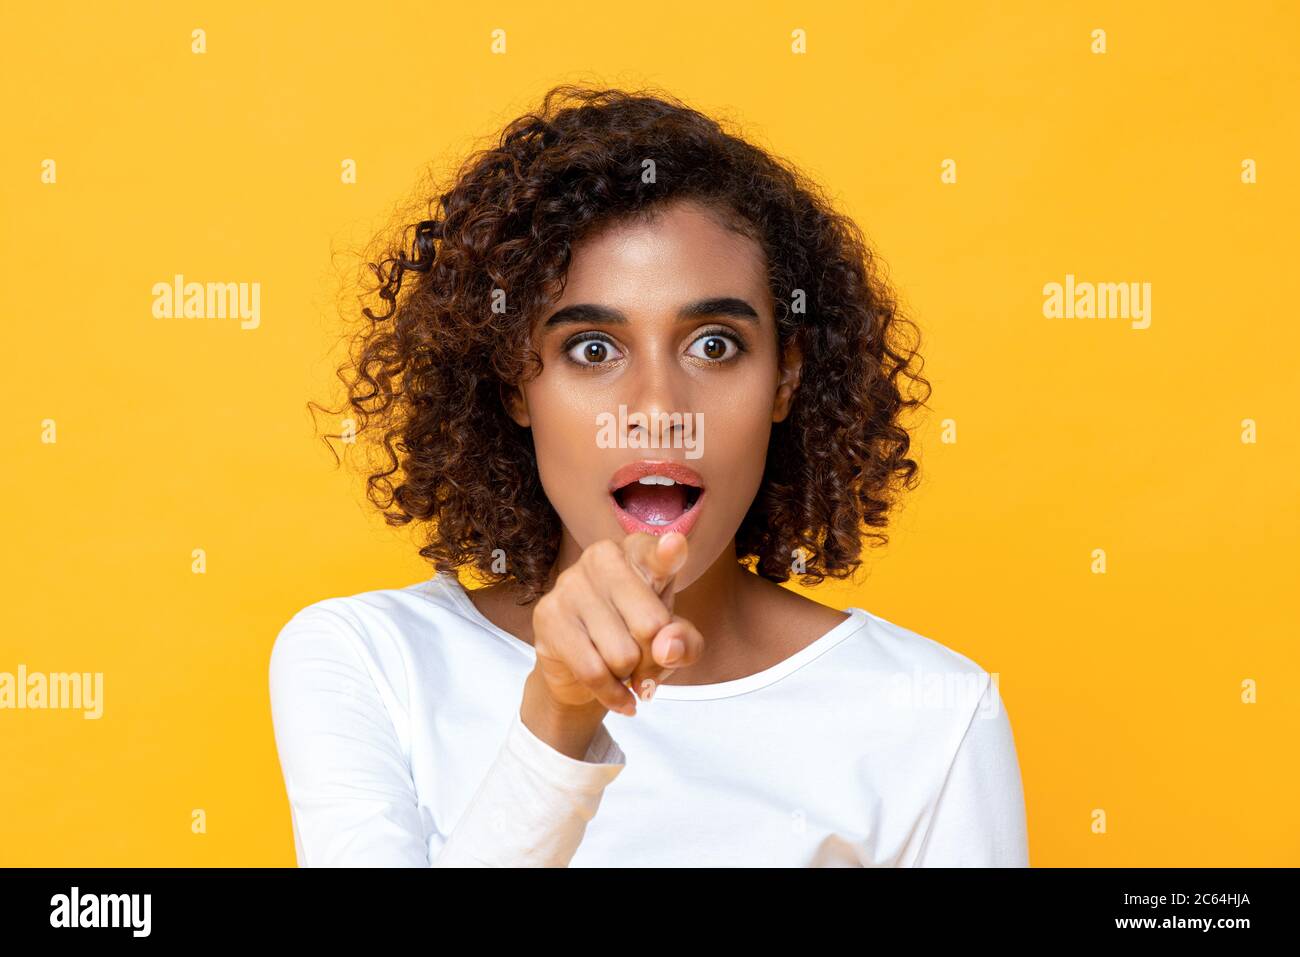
point(979, 819)
point(533, 806)
point(352, 799)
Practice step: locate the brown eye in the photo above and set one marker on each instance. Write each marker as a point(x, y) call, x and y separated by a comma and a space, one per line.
point(716, 347)
point(592, 352)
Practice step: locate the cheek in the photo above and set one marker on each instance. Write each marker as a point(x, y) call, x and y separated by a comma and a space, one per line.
point(738, 421)
point(560, 419)
point(739, 454)
point(736, 439)
point(564, 437)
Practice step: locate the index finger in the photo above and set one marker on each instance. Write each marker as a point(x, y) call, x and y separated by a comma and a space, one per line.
point(657, 559)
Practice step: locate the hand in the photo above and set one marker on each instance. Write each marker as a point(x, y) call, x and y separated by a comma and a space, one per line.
point(609, 620)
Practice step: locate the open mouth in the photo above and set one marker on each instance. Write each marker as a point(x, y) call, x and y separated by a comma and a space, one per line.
point(655, 500)
point(656, 497)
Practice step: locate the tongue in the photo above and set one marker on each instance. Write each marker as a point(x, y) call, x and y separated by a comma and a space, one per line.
point(654, 504)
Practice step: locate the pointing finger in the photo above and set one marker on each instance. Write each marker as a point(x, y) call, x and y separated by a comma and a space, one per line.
point(656, 558)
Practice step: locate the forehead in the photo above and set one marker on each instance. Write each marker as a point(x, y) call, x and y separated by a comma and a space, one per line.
point(683, 253)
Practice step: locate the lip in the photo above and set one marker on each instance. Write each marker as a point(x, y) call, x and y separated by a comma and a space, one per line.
point(682, 474)
point(639, 470)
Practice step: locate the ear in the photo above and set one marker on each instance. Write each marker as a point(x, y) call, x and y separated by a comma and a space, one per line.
point(788, 383)
point(516, 405)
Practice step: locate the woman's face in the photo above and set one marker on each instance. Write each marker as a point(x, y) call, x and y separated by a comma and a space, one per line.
point(670, 316)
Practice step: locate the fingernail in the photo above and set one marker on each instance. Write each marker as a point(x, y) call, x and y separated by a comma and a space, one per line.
point(647, 689)
point(675, 648)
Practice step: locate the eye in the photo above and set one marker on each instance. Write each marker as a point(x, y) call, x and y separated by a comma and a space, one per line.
point(714, 346)
point(592, 350)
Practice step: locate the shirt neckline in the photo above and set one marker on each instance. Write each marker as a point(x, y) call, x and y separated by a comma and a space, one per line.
point(858, 618)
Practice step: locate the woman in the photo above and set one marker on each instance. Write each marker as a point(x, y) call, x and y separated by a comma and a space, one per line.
point(638, 374)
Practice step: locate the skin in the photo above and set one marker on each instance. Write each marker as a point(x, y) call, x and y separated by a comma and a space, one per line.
point(656, 362)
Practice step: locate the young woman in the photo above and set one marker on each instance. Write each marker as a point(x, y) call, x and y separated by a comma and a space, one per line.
point(639, 373)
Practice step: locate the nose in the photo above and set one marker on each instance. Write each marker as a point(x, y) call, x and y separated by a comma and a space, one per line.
point(658, 388)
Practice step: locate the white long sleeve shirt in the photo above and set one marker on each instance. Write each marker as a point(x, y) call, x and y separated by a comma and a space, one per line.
point(396, 720)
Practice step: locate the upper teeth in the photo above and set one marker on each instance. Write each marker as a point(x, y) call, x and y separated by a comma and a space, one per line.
point(656, 480)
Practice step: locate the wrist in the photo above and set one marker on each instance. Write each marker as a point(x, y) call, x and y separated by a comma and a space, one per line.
point(567, 728)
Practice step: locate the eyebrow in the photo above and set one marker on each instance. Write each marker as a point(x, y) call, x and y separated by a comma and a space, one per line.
point(590, 312)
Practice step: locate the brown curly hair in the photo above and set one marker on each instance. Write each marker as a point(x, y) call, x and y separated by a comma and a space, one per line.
point(425, 375)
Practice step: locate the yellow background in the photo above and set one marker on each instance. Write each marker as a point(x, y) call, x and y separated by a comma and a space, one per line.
point(1124, 689)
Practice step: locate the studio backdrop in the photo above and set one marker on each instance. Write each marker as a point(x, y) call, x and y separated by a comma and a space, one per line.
point(1088, 209)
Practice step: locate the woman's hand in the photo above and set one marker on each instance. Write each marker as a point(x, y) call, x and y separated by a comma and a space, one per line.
point(609, 620)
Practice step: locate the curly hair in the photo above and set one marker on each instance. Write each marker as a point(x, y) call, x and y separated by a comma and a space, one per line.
point(425, 374)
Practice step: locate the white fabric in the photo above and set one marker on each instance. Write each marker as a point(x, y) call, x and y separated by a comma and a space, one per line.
point(396, 719)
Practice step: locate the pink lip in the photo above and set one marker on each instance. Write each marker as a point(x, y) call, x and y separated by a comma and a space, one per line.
point(638, 470)
point(673, 470)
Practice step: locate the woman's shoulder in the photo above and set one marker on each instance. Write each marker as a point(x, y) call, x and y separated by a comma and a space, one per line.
point(868, 644)
point(377, 629)
point(906, 647)
point(947, 708)
point(379, 612)
point(880, 643)
point(921, 673)
point(359, 653)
